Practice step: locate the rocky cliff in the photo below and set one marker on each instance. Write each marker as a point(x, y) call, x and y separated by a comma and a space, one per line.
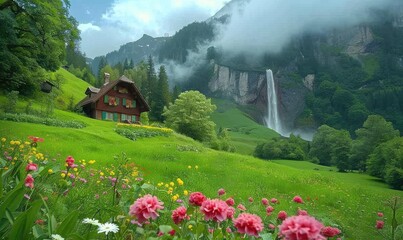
point(249, 88)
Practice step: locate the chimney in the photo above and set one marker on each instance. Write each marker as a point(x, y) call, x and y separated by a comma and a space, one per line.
point(106, 78)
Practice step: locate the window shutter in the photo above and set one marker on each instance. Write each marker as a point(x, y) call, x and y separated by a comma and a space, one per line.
point(103, 115)
point(134, 118)
point(122, 117)
point(134, 104)
point(117, 101)
point(115, 117)
point(106, 100)
point(124, 102)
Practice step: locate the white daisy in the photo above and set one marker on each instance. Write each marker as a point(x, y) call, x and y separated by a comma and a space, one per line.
point(57, 237)
point(91, 221)
point(107, 228)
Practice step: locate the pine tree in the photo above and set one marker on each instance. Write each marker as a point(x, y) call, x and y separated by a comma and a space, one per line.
point(163, 96)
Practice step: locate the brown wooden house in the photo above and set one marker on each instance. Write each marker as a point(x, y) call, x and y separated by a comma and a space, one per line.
point(118, 101)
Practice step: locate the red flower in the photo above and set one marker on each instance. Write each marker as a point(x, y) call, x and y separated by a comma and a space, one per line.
point(221, 191)
point(215, 210)
point(250, 199)
point(250, 224)
point(179, 214)
point(298, 199)
point(29, 181)
point(230, 201)
point(379, 224)
point(301, 228)
point(145, 208)
point(172, 232)
point(265, 201)
point(35, 139)
point(380, 214)
point(282, 215)
point(196, 198)
point(241, 207)
point(302, 212)
point(70, 161)
point(39, 222)
point(330, 231)
point(230, 212)
point(269, 210)
point(31, 167)
point(274, 200)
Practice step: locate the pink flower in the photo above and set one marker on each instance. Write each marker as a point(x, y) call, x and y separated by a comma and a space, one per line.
point(31, 167)
point(230, 212)
point(330, 231)
point(274, 200)
point(228, 230)
point(29, 181)
point(70, 161)
point(241, 207)
point(179, 214)
point(301, 228)
point(196, 198)
point(172, 232)
point(215, 210)
point(379, 224)
point(298, 199)
point(265, 201)
point(269, 210)
point(272, 227)
point(282, 215)
point(250, 224)
point(250, 199)
point(145, 208)
point(380, 214)
point(302, 212)
point(221, 191)
point(230, 201)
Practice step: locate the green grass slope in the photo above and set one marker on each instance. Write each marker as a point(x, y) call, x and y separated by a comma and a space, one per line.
point(245, 133)
point(349, 200)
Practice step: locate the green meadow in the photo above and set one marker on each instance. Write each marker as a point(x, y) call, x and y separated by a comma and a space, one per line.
point(347, 200)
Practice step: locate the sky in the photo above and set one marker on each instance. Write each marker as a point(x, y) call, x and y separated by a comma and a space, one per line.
point(105, 25)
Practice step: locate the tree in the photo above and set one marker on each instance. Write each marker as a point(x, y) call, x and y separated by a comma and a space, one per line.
point(375, 130)
point(162, 96)
point(321, 146)
point(340, 152)
point(386, 162)
point(190, 115)
point(34, 34)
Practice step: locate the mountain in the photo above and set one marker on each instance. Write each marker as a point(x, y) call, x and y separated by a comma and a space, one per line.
point(135, 51)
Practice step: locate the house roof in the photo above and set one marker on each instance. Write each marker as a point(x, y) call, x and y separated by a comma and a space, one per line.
point(99, 92)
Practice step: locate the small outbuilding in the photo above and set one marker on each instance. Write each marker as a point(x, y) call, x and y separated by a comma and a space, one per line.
point(118, 101)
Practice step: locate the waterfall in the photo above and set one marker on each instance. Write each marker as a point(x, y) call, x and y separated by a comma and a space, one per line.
point(272, 118)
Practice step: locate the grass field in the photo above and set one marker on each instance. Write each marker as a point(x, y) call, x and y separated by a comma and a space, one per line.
point(245, 133)
point(349, 200)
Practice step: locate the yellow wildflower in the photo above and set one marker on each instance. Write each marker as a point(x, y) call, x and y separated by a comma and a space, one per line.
point(63, 175)
point(50, 171)
point(190, 226)
point(170, 189)
point(98, 182)
point(166, 185)
point(12, 142)
point(189, 167)
point(185, 192)
point(101, 173)
point(91, 161)
point(196, 167)
point(112, 173)
point(174, 197)
point(180, 182)
point(68, 174)
point(21, 146)
point(172, 184)
point(3, 139)
point(75, 169)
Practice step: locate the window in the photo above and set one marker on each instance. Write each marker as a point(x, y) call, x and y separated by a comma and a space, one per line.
point(113, 101)
point(123, 117)
point(122, 90)
point(106, 99)
point(107, 116)
point(134, 118)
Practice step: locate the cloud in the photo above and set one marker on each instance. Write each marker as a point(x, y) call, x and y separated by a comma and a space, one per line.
point(84, 27)
point(269, 25)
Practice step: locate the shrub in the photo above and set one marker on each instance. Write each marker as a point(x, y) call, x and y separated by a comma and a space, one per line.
point(41, 120)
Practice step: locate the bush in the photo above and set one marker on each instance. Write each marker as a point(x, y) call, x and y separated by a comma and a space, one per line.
point(41, 120)
point(134, 131)
point(281, 148)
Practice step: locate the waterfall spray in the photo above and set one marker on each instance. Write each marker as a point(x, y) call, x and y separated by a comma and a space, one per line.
point(272, 118)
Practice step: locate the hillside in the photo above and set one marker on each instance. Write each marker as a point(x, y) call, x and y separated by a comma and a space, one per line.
point(339, 198)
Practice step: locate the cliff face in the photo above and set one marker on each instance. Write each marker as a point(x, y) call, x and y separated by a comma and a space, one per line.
point(249, 88)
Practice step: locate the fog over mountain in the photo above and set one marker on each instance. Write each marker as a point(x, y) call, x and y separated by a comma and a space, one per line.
point(269, 25)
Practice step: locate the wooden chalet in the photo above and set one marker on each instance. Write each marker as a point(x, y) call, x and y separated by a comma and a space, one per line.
point(118, 101)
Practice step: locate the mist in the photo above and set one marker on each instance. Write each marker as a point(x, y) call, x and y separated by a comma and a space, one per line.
point(269, 25)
